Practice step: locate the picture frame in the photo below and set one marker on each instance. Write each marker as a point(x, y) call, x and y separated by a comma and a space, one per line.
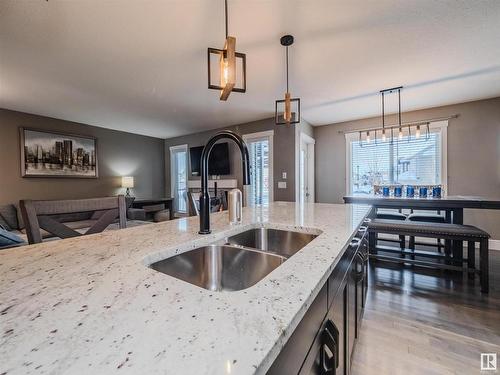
point(56, 154)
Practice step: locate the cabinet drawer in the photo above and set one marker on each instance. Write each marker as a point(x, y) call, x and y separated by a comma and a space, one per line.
point(293, 354)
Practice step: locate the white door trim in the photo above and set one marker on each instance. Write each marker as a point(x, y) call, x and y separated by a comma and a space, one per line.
point(310, 143)
point(172, 179)
point(268, 134)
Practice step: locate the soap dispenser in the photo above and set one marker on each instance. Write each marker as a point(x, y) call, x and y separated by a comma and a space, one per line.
point(235, 206)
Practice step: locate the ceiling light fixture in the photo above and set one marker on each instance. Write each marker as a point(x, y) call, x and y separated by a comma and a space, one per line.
point(284, 113)
point(417, 125)
point(399, 113)
point(383, 117)
point(390, 91)
point(226, 74)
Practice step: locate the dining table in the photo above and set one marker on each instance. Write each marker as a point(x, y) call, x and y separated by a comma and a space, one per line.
point(452, 205)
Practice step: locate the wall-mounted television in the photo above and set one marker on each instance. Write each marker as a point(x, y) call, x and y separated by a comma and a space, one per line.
point(218, 164)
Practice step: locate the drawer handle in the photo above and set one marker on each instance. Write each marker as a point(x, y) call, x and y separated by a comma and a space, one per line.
point(330, 338)
point(355, 242)
point(363, 228)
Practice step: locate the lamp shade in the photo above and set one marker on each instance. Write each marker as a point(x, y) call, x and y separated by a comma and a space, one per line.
point(127, 182)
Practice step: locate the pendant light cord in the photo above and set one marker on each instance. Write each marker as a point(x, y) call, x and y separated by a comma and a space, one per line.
point(287, 69)
point(399, 104)
point(225, 14)
point(383, 112)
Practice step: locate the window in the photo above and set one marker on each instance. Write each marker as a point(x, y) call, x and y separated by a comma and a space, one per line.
point(178, 174)
point(407, 161)
point(260, 148)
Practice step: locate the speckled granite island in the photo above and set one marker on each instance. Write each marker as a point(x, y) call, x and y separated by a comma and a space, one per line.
point(92, 305)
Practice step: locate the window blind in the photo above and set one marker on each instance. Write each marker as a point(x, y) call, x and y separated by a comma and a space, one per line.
point(408, 161)
point(259, 172)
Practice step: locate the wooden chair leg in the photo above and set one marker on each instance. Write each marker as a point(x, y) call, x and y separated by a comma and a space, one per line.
point(447, 251)
point(372, 243)
point(439, 245)
point(471, 259)
point(402, 245)
point(484, 265)
point(411, 245)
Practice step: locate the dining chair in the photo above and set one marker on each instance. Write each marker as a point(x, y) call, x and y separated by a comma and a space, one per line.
point(193, 209)
point(61, 218)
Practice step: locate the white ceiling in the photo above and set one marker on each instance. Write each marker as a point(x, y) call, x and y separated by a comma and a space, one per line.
point(140, 66)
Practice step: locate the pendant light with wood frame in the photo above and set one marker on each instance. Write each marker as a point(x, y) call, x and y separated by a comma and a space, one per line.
point(287, 116)
point(227, 69)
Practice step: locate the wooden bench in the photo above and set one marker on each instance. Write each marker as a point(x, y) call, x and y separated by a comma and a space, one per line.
point(453, 232)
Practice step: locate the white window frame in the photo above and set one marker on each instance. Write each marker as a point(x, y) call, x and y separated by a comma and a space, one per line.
point(269, 135)
point(441, 126)
point(173, 149)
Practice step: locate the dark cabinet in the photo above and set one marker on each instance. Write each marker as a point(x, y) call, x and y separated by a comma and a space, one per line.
point(292, 356)
point(351, 313)
point(360, 265)
point(327, 354)
point(323, 342)
point(338, 314)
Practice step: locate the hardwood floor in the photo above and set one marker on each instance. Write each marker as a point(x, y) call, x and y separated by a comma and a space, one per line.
point(419, 322)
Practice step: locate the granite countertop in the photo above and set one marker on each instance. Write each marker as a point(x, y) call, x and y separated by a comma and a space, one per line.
point(91, 304)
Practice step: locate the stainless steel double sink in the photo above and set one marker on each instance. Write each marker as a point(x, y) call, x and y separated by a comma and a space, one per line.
point(237, 262)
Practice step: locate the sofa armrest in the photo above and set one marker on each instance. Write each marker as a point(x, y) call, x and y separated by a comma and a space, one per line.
point(136, 214)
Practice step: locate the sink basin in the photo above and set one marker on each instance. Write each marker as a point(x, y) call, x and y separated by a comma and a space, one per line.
point(220, 268)
point(281, 242)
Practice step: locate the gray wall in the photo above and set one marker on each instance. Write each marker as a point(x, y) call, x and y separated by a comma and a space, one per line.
point(473, 155)
point(283, 160)
point(118, 154)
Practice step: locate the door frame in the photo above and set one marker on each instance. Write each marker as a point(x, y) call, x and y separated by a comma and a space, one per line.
point(309, 143)
point(173, 149)
point(269, 134)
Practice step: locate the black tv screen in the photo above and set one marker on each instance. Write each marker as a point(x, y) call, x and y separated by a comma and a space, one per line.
point(218, 164)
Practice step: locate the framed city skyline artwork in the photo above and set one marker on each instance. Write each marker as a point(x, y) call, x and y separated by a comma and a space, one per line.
point(55, 154)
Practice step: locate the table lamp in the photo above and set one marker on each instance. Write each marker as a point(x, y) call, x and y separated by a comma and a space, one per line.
point(127, 182)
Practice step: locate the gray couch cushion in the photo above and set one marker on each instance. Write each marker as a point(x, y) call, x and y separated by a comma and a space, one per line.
point(8, 217)
point(390, 215)
point(431, 218)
